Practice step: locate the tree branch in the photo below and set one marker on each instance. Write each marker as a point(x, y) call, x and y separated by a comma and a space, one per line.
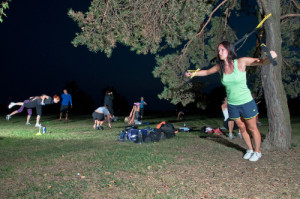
point(284, 61)
point(264, 6)
point(297, 6)
point(186, 46)
point(289, 15)
point(104, 13)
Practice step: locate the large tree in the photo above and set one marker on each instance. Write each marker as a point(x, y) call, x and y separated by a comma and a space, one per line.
point(184, 34)
point(279, 136)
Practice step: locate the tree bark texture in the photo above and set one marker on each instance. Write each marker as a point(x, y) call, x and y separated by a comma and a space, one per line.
point(279, 134)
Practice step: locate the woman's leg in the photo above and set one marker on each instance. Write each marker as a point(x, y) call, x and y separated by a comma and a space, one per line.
point(12, 104)
point(95, 124)
point(230, 126)
point(243, 129)
point(13, 113)
point(20, 110)
point(230, 129)
point(28, 119)
point(252, 126)
point(38, 117)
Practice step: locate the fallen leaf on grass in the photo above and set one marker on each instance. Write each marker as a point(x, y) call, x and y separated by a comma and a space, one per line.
point(149, 167)
point(107, 173)
point(60, 193)
point(49, 187)
point(82, 177)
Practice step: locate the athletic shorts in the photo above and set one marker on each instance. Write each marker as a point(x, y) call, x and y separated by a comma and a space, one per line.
point(29, 110)
point(64, 108)
point(246, 111)
point(98, 116)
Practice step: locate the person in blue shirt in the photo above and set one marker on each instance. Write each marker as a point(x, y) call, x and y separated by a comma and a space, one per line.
point(64, 108)
point(142, 103)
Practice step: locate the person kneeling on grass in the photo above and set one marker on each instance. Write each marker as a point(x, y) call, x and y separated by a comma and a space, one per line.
point(37, 103)
point(99, 116)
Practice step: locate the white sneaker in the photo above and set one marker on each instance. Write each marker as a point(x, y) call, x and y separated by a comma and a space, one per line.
point(27, 123)
point(239, 135)
point(230, 136)
point(37, 125)
point(248, 154)
point(8, 117)
point(255, 156)
point(11, 105)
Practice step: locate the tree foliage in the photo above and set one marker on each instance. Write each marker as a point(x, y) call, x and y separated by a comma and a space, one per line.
point(3, 7)
point(179, 33)
point(290, 29)
point(140, 24)
point(158, 27)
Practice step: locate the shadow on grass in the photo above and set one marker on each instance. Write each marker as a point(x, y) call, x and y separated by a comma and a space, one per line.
point(223, 141)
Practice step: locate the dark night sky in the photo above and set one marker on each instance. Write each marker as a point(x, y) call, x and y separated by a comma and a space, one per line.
point(37, 57)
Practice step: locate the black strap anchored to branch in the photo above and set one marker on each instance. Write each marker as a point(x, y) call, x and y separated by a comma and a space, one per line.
point(263, 47)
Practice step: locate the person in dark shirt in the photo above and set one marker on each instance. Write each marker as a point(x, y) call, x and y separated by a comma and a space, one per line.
point(108, 100)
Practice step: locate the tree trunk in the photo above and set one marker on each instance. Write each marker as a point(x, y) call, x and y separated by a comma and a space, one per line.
point(279, 134)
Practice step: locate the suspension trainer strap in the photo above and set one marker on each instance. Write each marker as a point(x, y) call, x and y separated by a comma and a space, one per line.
point(243, 39)
point(253, 31)
point(266, 50)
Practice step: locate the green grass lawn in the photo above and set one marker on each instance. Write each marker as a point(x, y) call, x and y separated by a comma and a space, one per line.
point(72, 160)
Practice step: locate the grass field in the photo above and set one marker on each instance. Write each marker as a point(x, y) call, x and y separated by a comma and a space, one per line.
point(72, 160)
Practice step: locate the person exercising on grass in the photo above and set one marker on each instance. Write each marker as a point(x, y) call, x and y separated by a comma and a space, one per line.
point(37, 103)
point(241, 106)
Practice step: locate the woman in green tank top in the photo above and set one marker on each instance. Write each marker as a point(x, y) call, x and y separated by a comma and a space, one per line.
point(240, 102)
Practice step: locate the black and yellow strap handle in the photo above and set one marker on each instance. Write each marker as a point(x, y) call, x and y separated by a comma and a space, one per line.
point(266, 50)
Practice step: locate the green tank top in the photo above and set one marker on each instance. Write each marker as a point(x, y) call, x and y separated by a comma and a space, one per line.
point(235, 83)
